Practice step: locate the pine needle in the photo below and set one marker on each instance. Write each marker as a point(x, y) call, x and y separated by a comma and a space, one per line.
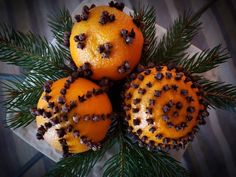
point(134, 161)
point(31, 52)
point(60, 23)
point(205, 60)
point(219, 94)
point(146, 15)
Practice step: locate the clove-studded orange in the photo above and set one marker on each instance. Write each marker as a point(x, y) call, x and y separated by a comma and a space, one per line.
point(69, 115)
point(108, 39)
point(163, 107)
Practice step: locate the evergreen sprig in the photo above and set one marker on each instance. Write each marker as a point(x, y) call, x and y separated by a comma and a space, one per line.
point(31, 52)
point(205, 60)
point(219, 94)
point(79, 165)
point(20, 117)
point(146, 16)
point(60, 23)
point(177, 39)
point(134, 161)
point(21, 94)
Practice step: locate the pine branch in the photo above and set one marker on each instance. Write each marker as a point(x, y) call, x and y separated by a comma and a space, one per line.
point(133, 161)
point(23, 91)
point(145, 15)
point(19, 117)
point(219, 94)
point(205, 61)
point(31, 52)
point(20, 95)
point(177, 39)
point(60, 23)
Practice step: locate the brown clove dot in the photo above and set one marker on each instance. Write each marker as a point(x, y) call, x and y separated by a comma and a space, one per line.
point(139, 132)
point(190, 109)
point(189, 117)
point(152, 129)
point(135, 110)
point(136, 121)
point(76, 133)
point(189, 99)
point(80, 45)
point(48, 125)
point(47, 114)
point(61, 100)
point(150, 121)
point(140, 77)
point(159, 136)
point(184, 92)
point(78, 18)
point(178, 76)
point(133, 85)
point(165, 108)
point(149, 110)
point(147, 71)
point(166, 87)
point(152, 102)
point(136, 101)
point(165, 117)
point(39, 136)
point(141, 91)
point(174, 87)
point(168, 75)
point(149, 85)
point(81, 98)
point(144, 138)
point(60, 132)
point(179, 105)
point(157, 93)
point(47, 97)
point(169, 124)
point(159, 76)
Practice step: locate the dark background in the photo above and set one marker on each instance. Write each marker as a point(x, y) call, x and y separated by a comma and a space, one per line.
point(213, 152)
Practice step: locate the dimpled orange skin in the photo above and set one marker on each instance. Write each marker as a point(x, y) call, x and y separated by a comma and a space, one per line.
point(98, 34)
point(95, 131)
point(159, 123)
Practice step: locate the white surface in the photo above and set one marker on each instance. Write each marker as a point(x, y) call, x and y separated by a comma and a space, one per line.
point(28, 133)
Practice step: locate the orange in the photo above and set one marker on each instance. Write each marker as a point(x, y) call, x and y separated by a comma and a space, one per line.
point(95, 131)
point(98, 34)
point(163, 107)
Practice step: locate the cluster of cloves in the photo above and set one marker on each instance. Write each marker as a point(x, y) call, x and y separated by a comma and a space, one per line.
point(80, 39)
point(118, 5)
point(106, 18)
point(128, 36)
point(105, 49)
point(85, 70)
point(124, 67)
point(85, 13)
point(170, 110)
